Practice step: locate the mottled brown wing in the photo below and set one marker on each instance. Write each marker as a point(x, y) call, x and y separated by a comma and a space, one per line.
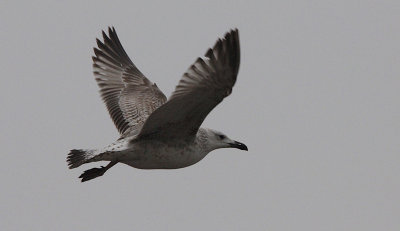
point(129, 96)
point(206, 83)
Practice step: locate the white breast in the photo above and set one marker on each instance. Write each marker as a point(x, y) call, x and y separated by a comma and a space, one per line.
point(159, 155)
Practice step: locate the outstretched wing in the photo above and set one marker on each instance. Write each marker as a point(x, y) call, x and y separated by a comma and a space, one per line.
point(129, 96)
point(205, 84)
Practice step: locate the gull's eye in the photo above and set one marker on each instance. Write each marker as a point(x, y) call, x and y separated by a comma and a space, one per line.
point(221, 137)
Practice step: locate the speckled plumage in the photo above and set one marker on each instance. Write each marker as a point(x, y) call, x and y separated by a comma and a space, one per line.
point(156, 133)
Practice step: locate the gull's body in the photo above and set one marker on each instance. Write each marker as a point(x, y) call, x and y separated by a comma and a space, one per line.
point(154, 153)
point(156, 133)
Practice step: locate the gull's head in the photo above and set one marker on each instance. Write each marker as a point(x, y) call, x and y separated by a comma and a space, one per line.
point(217, 139)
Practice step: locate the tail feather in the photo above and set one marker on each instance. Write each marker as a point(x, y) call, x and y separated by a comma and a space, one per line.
point(77, 157)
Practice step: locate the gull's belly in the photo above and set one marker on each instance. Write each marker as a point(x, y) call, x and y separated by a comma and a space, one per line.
point(158, 155)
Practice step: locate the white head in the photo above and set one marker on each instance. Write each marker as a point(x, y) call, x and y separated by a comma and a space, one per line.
point(217, 139)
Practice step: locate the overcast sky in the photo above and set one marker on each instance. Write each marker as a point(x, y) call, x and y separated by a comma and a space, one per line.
point(316, 102)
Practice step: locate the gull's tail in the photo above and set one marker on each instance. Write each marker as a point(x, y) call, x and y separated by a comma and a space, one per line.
point(77, 157)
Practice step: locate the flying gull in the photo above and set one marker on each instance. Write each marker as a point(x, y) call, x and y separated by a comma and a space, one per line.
point(157, 133)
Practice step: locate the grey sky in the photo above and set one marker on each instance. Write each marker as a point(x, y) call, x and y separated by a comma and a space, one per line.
point(316, 102)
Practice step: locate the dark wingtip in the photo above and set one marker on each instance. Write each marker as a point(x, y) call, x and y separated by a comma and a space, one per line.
point(111, 30)
point(232, 32)
point(104, 35)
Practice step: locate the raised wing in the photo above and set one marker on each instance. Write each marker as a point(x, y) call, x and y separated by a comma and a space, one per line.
point(129, 96)
point(205, 84)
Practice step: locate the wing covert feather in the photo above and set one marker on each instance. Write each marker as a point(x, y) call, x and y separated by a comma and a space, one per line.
point(129, 96)
point(204, 85)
